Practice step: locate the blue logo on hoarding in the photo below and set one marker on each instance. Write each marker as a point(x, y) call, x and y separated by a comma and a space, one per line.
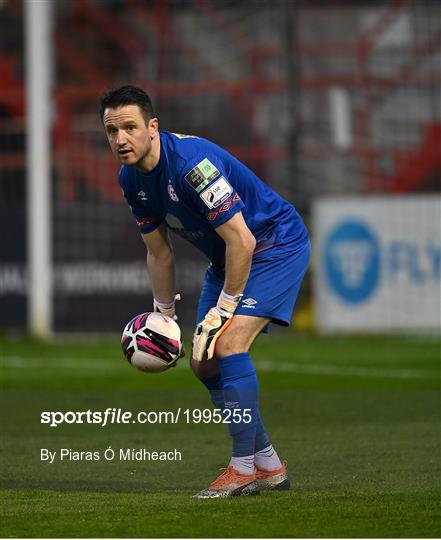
point(352, 261)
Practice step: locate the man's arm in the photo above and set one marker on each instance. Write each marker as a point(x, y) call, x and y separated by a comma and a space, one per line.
point(240, 244)
point(160, 264)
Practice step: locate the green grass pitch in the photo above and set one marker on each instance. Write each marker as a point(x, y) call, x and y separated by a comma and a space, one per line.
point(357, 419)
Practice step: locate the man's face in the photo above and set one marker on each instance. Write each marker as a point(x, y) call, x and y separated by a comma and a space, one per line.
point(129, 137)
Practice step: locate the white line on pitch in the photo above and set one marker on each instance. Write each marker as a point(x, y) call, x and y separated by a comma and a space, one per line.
point(261, 365)
point(347, 371)
point(54, 362)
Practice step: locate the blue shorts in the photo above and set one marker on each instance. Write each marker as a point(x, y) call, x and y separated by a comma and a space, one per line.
point(271, 290)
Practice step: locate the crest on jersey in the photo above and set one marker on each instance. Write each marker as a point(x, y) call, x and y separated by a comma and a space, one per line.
point(172, 193)
point(201, 175)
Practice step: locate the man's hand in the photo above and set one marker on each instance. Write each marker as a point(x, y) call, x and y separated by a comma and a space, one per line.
point(216, 321)
point(167, 309)
point(208, 331)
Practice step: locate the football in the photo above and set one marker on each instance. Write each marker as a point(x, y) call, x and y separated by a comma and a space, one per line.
point(152, 342)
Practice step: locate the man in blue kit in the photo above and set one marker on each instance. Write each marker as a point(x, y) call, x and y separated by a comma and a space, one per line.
point(259, 251)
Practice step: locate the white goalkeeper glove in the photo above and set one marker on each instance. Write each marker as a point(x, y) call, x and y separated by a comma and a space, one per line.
point(167, 309)
point(215, 322)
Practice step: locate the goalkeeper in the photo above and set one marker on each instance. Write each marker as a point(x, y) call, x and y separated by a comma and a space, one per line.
point(258, 248)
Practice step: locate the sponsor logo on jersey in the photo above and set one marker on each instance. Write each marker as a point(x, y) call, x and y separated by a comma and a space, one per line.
point(172, 193)
point(217, 193)
point(176, 225)
point(201, 175)
point(142, 195)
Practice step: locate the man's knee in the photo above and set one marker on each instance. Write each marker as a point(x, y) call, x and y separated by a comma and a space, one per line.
point(231, 342)
point(240, 335)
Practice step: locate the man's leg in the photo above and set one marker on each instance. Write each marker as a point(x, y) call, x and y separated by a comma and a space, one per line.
point(265, 457)
point(232, 382)
point(272, 287)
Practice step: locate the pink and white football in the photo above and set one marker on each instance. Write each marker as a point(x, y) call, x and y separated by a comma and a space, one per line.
point(152, 342)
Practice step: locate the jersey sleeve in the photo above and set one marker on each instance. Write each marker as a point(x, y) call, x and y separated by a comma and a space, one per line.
point(146, 220)
point(207, 184)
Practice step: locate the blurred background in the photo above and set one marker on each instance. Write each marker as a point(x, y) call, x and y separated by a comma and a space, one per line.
point(335, 104)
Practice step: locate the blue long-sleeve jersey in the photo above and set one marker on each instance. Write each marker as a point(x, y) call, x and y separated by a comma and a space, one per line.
point(196, 186)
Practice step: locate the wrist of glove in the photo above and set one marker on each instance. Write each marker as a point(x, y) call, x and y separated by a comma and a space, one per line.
point(167, 309)
point(227, 304)
point(215, 322)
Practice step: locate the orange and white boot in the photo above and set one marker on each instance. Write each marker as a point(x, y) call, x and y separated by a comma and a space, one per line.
point(275, 480)
point(229, 484)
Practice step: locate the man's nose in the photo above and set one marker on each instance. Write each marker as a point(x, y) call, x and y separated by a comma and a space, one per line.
point(121, 138)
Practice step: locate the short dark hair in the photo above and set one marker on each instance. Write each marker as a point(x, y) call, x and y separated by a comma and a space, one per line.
point(127, 95)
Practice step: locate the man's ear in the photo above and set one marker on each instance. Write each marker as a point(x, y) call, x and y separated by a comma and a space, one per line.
point(153, 127)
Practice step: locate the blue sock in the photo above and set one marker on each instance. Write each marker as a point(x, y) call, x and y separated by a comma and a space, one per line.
point(214, 387)
point(262, 439)
point(240, 391)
